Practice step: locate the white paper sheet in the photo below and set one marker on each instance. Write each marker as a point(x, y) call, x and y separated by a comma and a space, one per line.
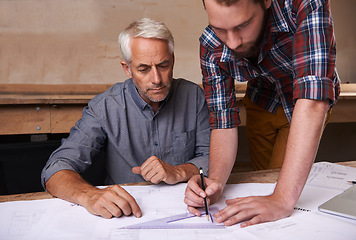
point(58, 219)
point(312, 226)
point(331, 176)
point(63, 220)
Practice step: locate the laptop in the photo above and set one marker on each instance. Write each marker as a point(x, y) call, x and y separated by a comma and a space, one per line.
point(342, 205)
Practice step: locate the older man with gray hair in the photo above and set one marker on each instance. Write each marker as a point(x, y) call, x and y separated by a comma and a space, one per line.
point(153, 128)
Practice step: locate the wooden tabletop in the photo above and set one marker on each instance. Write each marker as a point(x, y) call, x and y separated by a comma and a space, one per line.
point(49, 94)
point(263, 176)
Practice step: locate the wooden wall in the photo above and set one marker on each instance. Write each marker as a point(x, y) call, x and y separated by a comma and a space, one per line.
point(75, 41)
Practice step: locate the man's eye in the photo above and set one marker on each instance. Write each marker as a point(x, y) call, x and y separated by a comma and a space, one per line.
point(163, 66)
point(143, 70)
point(242, 26)
point(218, 30)
point(245, 24)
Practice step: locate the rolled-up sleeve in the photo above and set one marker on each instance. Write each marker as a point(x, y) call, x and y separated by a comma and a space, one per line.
point(315, 54)
point(86, 140)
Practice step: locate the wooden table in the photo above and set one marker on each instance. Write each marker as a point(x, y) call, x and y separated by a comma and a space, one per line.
point(41, 109)
point(263, 176)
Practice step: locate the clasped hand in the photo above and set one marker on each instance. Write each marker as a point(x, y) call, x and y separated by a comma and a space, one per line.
point(245, 210)
point(155, 170)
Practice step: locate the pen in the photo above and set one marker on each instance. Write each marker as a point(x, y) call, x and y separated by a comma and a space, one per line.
point(203, 187)
point(353, 182)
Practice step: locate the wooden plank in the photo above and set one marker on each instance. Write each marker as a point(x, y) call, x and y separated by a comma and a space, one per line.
point(82, 93)
point(26, 197)
point(348, 88)
point(63, 117)
point(44, 99)
point(24, 119)
point(53, 89)
point(73, 95)
point(74, 89)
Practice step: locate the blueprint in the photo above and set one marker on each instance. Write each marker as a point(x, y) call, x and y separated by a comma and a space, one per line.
point(59, 219)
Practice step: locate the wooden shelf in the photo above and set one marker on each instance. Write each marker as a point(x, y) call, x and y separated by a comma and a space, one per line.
point(38, 109)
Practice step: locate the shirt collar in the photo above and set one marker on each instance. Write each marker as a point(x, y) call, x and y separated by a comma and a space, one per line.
point(136, 96)
point(278, 23)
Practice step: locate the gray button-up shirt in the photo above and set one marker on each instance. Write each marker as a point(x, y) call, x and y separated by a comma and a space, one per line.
point(120, 121)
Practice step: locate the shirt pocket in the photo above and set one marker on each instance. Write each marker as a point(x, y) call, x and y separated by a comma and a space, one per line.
point(183, 146)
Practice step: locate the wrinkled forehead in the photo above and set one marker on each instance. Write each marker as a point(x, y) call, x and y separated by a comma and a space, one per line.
point(150, 51)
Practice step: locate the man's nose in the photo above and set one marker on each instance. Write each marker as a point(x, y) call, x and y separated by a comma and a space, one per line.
point(156, 76)
point(233, 40)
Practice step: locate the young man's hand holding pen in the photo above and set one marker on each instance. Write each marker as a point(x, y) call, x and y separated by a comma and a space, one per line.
point(194, 194)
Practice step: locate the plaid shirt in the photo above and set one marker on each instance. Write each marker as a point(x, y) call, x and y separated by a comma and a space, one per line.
point(297, 60)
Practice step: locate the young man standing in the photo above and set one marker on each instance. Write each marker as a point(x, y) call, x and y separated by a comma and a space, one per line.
point(285, 49)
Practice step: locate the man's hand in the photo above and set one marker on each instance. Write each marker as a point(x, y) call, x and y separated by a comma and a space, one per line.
point(112, 201)
point(254, 209)
point(109, 202)
point(223, 147)
point(300, 153)
point(156, 171)
point(194, 194)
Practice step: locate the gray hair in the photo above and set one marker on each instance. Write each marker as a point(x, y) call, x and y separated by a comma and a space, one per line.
point(145, 28)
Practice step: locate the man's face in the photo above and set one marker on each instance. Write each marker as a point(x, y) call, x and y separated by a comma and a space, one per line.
point(151, 69)
point(240, 26)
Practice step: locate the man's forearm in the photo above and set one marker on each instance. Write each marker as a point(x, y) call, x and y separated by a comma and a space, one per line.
point(70, 186)
point(302, 145)
point(223, 149)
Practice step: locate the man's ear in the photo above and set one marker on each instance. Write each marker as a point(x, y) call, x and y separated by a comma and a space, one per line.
point(126, 68)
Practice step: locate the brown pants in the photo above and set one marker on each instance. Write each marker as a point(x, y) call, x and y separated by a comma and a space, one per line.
point(267, 135)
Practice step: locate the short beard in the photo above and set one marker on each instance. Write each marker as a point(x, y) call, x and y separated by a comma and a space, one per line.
point(251, 52)
point(145, 93)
